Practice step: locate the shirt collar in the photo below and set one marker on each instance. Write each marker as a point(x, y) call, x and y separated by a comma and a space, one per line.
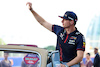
point(96, 54)
point(72, 33)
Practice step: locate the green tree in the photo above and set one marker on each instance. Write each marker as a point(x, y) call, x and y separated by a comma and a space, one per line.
point(50, 48)
point(2, 42)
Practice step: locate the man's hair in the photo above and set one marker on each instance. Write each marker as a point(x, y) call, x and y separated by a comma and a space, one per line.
point(96, 48)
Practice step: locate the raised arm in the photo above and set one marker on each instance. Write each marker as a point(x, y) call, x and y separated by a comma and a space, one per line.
point(39, 18)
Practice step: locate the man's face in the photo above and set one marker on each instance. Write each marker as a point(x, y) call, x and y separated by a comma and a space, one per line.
point(66, 23)
point(95, 51)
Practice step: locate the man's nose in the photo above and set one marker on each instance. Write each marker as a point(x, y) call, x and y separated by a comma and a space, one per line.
point(62, 21)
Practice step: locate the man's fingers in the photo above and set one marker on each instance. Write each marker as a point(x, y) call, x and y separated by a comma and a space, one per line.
point(62, 65)
point(28, 3)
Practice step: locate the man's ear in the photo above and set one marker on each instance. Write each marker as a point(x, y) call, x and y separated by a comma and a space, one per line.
point(72, 22)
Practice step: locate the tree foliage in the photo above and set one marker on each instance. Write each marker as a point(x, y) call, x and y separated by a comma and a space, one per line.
point(50, 48)
point(2, 42)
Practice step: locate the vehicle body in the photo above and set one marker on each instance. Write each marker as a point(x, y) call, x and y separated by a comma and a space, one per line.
point(31, 55)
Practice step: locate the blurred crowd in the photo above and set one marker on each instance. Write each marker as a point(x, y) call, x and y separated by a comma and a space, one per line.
point(89, 62)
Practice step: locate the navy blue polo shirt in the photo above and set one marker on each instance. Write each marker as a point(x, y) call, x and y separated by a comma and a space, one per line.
point(68, 44)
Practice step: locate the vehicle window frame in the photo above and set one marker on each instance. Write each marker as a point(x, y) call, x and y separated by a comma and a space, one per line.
point(41, 52)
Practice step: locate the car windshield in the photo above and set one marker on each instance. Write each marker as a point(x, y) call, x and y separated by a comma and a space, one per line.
point(19, 59)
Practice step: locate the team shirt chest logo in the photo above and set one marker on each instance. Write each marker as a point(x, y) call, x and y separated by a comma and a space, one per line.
point(62, 35)
point(72, 40)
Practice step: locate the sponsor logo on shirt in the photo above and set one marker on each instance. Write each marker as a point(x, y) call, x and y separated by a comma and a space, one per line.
point(71, 42)
point(83, 39)
point(73, 37)
point(77, 33)
point(83, 45)
point(62, 36)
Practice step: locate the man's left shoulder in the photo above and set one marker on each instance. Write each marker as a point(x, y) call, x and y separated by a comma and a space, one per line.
point(77, 33)
point(80, 35)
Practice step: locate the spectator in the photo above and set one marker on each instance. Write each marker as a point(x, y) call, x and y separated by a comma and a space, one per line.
point(0, 64)
point(88, 60)
point(97, 58)
point(6, 62)
point(82, 64)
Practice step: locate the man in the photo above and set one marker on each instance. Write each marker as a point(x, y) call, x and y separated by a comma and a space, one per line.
point(70, 42)
point(0, 63)
point(97, 58)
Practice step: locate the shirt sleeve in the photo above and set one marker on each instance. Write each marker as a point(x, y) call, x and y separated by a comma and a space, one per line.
point(81, 43)
point(56, 29)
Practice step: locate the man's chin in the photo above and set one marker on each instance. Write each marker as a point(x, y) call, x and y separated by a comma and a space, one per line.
point(66, 27)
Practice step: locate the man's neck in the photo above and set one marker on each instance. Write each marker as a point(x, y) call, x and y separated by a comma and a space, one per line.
point(70, 30)
point(96, 53)
point(6, 59)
